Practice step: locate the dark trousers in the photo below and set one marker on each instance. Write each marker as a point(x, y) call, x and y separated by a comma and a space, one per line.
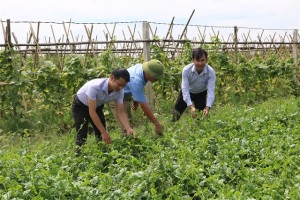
point(82, 118)
point(180, 105)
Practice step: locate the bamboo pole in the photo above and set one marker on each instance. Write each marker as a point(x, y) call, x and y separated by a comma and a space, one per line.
point(4, 32)
point(146, 52)
point(235, 44)
point(261, 43)
point(58, 55)
point(89, 34)
point(184, 30)
point(132, 35)
point(295, 56)
point(246, 46)
point(286, 50)
point(168, 33)
point(112, 38)
point(16, 42)
point(28, 42)
point(37, 48)
point(272, 40)
point(8, 35)
point(127, 46)
point(67, 35)
point(201, 36)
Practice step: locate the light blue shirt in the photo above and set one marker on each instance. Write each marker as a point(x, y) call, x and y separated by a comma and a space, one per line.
point(97, 89)
point(135, 87)
point(194, 83)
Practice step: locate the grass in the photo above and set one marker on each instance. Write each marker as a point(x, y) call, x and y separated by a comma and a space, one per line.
point(238, 152)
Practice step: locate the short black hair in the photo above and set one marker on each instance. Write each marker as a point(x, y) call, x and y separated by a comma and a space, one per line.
point(121, 73)
point(198, 53)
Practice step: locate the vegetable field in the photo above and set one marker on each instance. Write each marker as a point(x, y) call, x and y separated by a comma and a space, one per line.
point(248, 148)
point(239, 152)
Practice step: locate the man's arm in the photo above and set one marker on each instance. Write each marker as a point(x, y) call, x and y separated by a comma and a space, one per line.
point(148, 113)
point(139, 98)
point(92, 112)
point(185, 88)
point(210, 93)
point(124, 119)
point(211, 89)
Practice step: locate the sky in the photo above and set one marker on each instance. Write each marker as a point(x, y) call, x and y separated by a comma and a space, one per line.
point(249, 13)
point(266, 14)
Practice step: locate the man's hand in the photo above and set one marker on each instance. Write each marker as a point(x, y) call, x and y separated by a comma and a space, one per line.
point(193, 112)
point(106, 138)
point(206, 111)
point(159, 129)
point(148, 113)
point(131, 132)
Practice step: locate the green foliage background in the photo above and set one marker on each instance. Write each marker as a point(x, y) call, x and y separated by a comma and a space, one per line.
point(50, 84)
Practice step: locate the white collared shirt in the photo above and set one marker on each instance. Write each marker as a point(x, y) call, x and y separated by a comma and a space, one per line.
point(97, 89)
point(195, 83)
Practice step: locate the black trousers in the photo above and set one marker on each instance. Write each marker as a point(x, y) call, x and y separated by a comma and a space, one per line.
point(82, 118)
point(180, 105)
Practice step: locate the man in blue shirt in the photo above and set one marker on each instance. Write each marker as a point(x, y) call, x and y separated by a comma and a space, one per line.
point(88, 104)
point(140, 74)
point(198, 86)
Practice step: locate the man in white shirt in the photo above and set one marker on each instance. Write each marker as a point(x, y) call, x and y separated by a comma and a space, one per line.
point(88, 105)
point(197, 86)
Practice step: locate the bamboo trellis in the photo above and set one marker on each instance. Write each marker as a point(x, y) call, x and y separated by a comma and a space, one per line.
point(59, 38)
